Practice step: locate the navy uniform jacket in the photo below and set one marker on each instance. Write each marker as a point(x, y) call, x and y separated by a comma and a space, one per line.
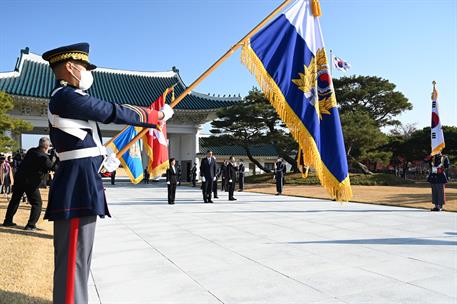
point(280, 170)
point(77, 189)
point(438, 177)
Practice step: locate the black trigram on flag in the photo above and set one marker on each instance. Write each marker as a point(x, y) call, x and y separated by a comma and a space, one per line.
point(433, 135)
point(433, 104)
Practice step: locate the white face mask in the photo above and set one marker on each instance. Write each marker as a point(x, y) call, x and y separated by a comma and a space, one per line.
point(86, 80)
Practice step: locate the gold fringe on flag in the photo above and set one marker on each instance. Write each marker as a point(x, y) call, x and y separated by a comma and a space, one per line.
point(159, 170)
point(340, 191)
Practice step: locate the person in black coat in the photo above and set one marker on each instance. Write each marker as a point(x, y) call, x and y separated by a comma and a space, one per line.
point(224, 186)
point(218, 174)
point(280, 172)
point(208, 175)
point(241, 170)
point(193, 171)
point(231, 177)
point(146, 176)
point(33, 168)
point(437, 179)
point(113, 177)
point(172, 181)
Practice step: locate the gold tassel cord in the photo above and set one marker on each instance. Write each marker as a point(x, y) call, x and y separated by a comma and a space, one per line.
point(340, 191)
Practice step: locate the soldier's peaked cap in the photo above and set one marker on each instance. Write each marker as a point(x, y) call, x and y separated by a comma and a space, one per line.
point(77, 52)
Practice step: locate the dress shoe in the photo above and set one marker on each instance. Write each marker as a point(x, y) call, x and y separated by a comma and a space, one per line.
point(216, 197)
point(30, 228)
point(435, 209)
point(9, 224)
point(278, 193)
point(210, 201)
point(171, 203)
point(232, 199)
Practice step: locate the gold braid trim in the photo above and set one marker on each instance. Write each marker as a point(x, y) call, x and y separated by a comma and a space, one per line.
point(159, 170)
point(341, 191)
point(65, 56)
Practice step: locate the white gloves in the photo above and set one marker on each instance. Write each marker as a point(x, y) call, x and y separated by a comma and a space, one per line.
point(168, 183)
point(214, 179)
point(230, 181)
point(111, 163)
point(167, 112)
point(203, 179)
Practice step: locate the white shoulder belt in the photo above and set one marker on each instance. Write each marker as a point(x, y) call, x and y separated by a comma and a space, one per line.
point(75, 127)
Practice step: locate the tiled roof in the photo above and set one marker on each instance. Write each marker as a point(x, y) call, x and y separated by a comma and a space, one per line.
point(256, 150)
point(34, 78)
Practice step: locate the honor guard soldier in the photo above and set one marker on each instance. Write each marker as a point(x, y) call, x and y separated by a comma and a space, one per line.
point(77, 195)
point(280, 172)
point(437, 179)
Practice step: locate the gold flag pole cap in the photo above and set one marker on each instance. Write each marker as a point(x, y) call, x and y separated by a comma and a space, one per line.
point(435, 92)
point(316, 7)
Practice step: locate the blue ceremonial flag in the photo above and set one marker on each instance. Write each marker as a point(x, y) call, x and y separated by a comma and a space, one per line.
point(131, 160)
point(289, 62)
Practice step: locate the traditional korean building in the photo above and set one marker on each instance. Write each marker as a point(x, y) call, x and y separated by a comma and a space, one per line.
point(32, 81)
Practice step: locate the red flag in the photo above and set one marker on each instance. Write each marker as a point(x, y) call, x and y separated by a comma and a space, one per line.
point(156, 141)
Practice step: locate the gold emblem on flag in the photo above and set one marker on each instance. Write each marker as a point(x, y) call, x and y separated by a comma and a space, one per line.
point(316, 78)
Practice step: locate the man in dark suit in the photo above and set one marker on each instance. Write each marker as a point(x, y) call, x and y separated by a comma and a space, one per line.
point(171, 181)
point(208, 175)
point(231, 177)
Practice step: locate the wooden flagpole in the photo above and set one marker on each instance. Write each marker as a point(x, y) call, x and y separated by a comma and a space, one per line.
point(209, 71)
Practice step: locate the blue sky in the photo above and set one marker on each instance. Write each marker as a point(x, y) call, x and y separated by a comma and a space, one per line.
point(410, 43)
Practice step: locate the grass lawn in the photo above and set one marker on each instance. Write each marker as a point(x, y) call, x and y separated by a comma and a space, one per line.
point(382, 189)
point(26, 259)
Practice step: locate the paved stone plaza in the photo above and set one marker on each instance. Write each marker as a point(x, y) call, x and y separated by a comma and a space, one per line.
point(269, 249)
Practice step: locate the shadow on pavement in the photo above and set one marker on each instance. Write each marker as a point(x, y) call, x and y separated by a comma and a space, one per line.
point(386, 241)
point(314, 211)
